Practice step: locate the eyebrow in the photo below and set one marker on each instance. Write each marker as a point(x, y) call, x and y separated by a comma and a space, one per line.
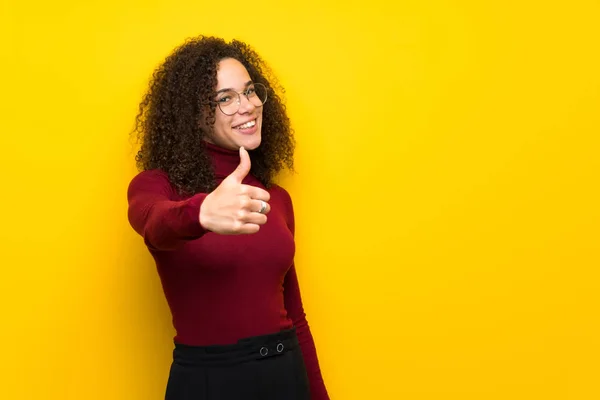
point(228, 89)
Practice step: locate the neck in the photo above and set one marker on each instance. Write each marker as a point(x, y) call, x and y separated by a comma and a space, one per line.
point(225, 161)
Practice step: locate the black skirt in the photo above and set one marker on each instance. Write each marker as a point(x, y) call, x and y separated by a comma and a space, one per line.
point(266, 367)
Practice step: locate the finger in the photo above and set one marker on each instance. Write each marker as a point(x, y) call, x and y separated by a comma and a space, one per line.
point(254, 218)
point(248, 229)
point(243, 168)
point(256, 206)
point(256, 193)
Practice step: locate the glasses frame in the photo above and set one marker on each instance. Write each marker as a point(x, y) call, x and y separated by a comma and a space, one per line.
point(239, 98)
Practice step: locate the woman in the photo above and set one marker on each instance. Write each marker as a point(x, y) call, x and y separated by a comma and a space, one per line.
point(214, 134)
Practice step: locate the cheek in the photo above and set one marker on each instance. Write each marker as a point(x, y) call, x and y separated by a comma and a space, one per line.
point(222, 123)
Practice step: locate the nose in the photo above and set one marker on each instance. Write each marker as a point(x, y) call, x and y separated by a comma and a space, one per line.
point(246, 105)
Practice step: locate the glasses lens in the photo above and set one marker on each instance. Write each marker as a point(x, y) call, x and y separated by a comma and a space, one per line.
point(257, 94)
point(228, 102)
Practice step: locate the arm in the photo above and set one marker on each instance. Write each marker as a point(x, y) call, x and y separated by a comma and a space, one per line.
point(295, 309)
point(293, 304)
point(163, 222)
point(166, 222)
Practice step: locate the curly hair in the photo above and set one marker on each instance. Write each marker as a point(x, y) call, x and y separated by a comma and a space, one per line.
point(180, 94)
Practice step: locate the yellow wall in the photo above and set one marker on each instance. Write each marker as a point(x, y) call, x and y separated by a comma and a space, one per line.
point(447, 193)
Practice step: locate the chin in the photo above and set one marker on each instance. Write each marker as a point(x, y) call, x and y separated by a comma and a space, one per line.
point(251, 143)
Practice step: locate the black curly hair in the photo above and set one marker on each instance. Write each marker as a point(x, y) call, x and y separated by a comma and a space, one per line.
point(180, 94)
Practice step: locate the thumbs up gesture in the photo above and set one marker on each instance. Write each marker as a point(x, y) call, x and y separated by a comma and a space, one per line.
point(234, 208)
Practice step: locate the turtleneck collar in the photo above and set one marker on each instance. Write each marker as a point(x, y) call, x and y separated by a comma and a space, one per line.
point(225, 161)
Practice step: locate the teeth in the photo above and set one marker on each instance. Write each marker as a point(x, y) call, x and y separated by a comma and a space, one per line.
point(246, 125)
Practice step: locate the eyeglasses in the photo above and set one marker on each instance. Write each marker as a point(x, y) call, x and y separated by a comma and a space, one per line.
point(229, 101)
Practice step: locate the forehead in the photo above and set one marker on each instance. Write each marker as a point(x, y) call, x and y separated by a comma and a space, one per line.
point(231, 74)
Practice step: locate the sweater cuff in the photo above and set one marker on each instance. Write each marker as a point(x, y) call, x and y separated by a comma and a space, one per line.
point(191, 215)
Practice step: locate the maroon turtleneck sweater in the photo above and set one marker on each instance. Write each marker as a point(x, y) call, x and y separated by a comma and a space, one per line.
point(223, 288)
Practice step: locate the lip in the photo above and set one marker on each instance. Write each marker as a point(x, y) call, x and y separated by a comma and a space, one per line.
point(245, 122)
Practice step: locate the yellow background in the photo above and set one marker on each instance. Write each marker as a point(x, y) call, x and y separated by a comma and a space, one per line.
point(446, 193)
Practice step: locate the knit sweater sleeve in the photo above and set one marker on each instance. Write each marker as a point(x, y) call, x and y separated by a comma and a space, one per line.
point(158, 216)
point(295, 309)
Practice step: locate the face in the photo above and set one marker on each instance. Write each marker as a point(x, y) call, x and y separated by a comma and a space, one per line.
point(242, 129)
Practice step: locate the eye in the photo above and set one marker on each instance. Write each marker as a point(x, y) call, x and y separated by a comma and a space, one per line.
point(250, 91)
point(225, 99)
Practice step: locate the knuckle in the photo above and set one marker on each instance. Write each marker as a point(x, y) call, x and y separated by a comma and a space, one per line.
point(240, 215)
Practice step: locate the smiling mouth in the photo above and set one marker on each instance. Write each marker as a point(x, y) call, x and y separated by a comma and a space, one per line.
point(247, 125)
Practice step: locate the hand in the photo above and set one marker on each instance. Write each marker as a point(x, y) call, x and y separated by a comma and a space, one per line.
point(233, 208)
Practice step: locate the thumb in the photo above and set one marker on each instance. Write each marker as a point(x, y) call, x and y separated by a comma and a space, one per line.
point(242, 170)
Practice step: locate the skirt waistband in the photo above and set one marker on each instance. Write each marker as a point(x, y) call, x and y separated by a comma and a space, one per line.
point(246, 349)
